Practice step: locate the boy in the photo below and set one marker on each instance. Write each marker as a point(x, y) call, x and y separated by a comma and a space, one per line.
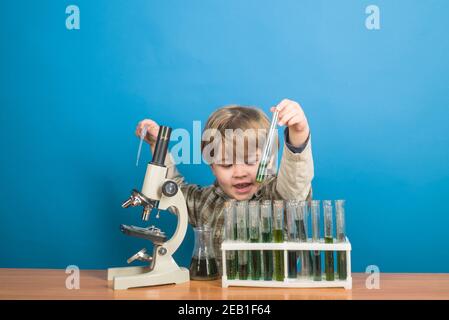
point(237, 180)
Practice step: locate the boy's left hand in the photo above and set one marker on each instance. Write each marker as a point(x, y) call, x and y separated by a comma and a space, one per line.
point(292, 115)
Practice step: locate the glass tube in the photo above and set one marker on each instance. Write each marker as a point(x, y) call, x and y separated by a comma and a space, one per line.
point(266, 230)
point(254, 236)
point(292, 236)
point(341, 237)
point(242, 235)
point(305, 256)
point(278, 236)
point(316, 256)
point(328, 238)
point(230, 235)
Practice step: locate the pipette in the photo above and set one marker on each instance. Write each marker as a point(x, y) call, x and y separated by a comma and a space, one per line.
point(142, 137)
point(261, 171)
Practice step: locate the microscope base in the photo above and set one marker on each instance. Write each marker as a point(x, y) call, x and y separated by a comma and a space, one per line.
point(132, 277)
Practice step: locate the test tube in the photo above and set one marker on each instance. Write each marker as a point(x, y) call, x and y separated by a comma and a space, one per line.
point(341, 237)
point(230, 234)
point(266, 229)
point(278, 236)
point(305, 256)
point(316, 257)
point(328, 238)
point(266, 153)
point(292, 235)
point(254, 236)
point(242, 235)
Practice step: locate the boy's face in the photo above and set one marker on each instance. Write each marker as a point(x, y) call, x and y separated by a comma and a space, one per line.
point(238, 180)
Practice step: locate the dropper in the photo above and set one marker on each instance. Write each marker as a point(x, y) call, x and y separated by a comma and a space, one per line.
point(142, 137)
point(261, 171)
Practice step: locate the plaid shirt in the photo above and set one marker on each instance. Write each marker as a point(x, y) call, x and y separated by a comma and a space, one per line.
point(205, 204)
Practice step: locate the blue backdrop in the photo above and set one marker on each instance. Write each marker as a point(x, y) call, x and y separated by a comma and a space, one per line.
point(377, 102)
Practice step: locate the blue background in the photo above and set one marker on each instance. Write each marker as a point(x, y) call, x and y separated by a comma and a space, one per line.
point(377, 103)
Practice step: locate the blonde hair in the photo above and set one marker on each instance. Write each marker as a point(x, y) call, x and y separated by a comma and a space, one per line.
point(236, 117)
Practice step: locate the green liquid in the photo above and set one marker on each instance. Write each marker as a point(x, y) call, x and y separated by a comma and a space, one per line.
point(254, 234)
point(329, 261)
point(278, 265)
point(341, 260)
point(267, 258)
point(203, 269)
point(256, 259)
point(341, 265)
point(231, 265)
point(292, 266)
point(316, 265)
point(231, 268)
point(278, 236)
point(261, 172)
point(243, 265)
point(255, 265)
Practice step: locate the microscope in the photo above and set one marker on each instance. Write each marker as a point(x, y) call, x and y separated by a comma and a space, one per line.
point(158, 193)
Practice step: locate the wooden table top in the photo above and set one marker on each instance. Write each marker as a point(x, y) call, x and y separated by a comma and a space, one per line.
point(51, 284)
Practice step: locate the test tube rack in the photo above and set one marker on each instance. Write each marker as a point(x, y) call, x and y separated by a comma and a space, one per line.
point(289, 246)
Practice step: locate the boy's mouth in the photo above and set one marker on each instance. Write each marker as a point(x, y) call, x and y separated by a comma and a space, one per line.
point(243, 187)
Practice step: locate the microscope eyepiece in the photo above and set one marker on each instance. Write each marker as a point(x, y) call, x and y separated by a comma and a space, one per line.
point(160, 150)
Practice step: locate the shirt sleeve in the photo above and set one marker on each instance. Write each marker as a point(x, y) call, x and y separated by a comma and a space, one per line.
point(296, 171)
point(292, 147)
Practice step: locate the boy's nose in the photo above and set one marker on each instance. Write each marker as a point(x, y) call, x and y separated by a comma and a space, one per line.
point(240, 170)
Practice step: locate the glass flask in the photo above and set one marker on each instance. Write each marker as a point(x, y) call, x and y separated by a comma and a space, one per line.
point(203, 265)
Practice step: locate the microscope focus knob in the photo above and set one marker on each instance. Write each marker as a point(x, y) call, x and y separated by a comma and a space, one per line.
point(169, 188)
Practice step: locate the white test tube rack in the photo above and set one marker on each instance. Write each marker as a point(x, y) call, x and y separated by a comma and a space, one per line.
point(289, 246)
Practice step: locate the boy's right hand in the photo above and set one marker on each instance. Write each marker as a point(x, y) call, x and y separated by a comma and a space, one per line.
point(152, 131)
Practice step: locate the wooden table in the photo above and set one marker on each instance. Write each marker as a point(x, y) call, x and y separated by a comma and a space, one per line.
point(51, 284)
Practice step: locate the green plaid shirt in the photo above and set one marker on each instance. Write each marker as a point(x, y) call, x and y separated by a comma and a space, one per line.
point(205, 204)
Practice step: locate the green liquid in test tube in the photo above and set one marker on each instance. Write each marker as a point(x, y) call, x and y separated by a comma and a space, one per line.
point(267, 150)
point(242, 234)
point(278, 237)
point(230, 234)
point(292, 236)
point(305, 256)
point(341, 237)
point(328, 238)
point(254, 236)
point(267, 237)
point(316, 255)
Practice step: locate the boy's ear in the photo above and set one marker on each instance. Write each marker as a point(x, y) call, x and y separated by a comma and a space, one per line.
point(212, 167)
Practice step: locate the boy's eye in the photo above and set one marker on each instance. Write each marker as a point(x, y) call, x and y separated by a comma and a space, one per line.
point(251, 162)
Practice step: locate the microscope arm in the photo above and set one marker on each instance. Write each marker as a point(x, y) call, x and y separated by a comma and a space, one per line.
point(179, 202)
